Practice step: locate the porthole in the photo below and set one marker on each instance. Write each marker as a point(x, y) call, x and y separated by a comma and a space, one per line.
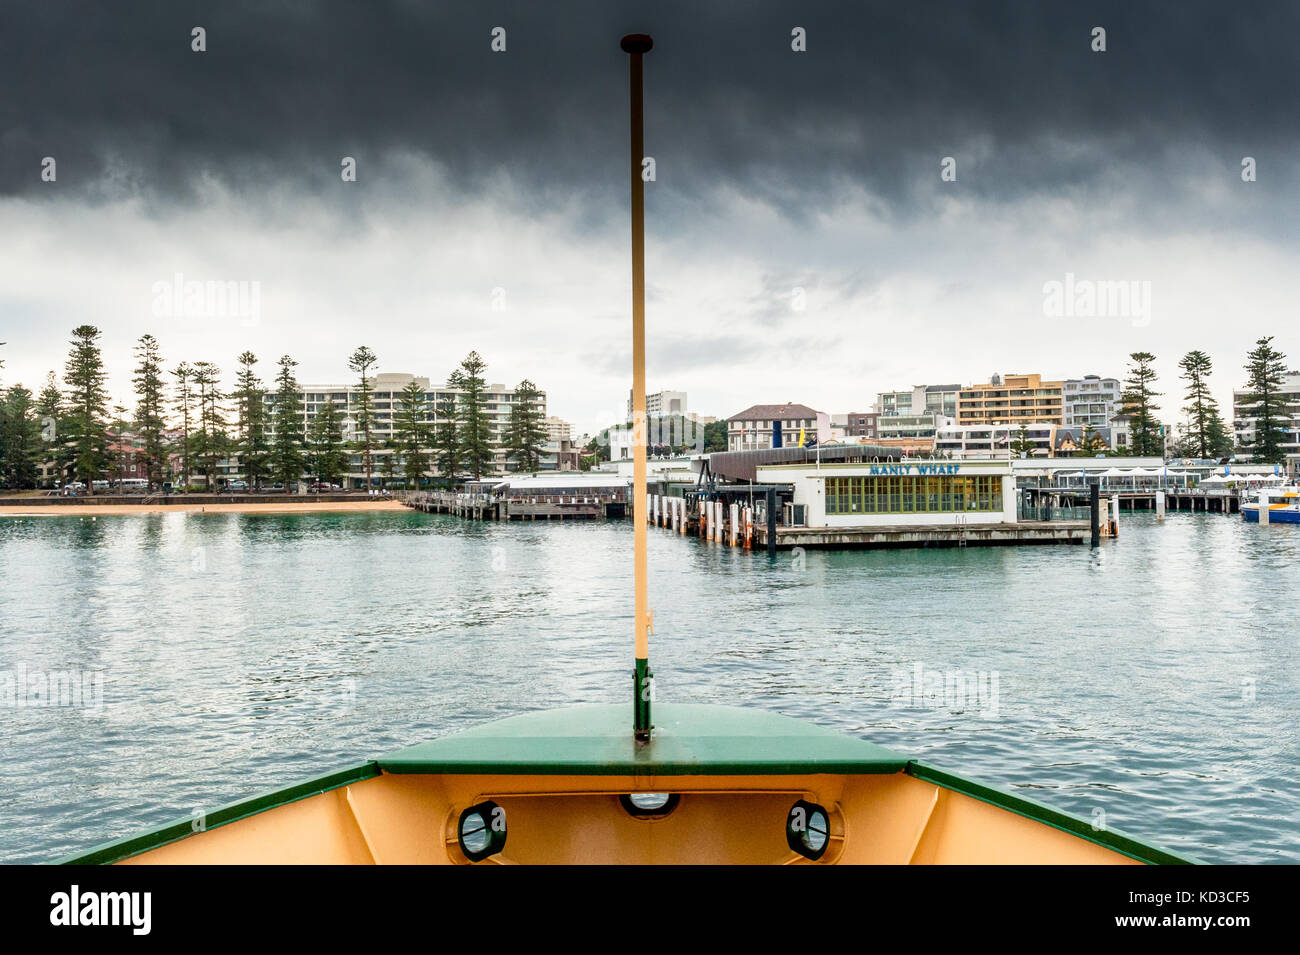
point(808, 829)
point(649, 805)
point(481, 831)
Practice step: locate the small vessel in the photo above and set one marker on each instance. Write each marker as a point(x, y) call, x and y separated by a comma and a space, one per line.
point(698, 784)
point(1282, 504)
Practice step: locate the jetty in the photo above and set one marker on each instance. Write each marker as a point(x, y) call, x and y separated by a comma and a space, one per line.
point(1220, 500)
point(756, 517)
point(863, 496)
point(563, 495)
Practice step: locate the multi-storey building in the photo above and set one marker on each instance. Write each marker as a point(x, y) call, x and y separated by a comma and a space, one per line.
point(1011, 399)
point(1090, 401)
point(770, 426)
point(861, 424)
point(126, 453)
point(557, 429)
point(968, 442)
point(559, 456)
point(921, 399)
point(660, 403)
point(910, 425)
point(1244, 417)
point(385, 401)
point(1121, 434)
point(911, 416)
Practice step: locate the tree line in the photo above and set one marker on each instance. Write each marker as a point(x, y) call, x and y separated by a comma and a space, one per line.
point(1206, 434)
point(186, 412)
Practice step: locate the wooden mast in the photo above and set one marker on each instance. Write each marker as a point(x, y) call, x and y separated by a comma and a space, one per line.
point(636, 44)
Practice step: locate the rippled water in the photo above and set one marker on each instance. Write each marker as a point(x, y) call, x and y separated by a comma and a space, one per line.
point(1153, 681)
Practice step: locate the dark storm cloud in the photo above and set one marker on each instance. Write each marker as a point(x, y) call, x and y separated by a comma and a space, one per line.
point(884, 91)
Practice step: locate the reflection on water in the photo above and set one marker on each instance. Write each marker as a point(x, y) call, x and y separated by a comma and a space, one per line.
point(1150, 685)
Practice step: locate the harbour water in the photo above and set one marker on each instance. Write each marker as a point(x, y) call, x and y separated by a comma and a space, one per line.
point(1150, 685)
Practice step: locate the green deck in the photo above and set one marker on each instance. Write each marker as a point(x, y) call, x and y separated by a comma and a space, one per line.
point(690, 740)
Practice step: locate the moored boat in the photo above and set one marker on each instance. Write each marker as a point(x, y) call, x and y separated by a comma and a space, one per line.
point(1282, 504)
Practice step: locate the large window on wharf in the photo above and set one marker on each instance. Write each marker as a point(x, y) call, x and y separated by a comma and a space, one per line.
point(921, 494)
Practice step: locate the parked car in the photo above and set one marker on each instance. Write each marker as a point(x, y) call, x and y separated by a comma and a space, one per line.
point(237, 486)
point(324, 486)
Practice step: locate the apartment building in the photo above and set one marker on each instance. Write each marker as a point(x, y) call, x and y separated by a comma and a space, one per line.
point(1090, 401)
point(660, 403)
point(1121, 434)
point(1012, 399)
point(776, 426)
point(921, 399)
point(889, 427)
point(1243, 417)
point(973, 442)
point(861, 424)
point(557, 429)
point(385, 400)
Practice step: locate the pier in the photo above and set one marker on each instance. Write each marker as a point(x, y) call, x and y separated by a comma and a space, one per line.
point(1176, 498)
point(757, 517)
point(929, 535)
point(477, 507)
point(522, 504)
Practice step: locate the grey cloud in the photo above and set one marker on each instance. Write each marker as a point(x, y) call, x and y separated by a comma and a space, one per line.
point(884, 91)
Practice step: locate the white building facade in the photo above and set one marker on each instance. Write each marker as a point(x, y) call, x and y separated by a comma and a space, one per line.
point(661, 403)
point(759, 427)
point(1090, 401)
point(1243, 419)
point(385, 399)
point(977, 441)
point(899, 494)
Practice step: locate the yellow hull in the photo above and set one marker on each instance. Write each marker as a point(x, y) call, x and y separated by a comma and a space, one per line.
point(570, 786)
point(412, 820)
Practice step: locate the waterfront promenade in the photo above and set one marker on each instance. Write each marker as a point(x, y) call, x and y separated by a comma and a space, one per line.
point(194, 504)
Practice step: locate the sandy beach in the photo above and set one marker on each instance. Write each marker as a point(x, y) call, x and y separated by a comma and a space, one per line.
point(95, 510)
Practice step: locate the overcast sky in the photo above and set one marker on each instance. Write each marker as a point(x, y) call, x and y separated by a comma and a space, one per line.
point(776, 170)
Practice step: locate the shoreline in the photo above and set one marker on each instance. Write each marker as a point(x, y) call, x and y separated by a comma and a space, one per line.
point(251, 507)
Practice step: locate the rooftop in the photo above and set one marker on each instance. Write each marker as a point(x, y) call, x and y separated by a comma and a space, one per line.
point(765, 412)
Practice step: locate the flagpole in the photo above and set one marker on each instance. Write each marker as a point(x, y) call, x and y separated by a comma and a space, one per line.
point(635, 45)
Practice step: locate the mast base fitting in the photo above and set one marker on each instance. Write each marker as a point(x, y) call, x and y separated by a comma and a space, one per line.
point(642, 691)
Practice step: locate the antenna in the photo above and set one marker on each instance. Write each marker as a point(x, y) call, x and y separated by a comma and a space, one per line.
point(635, 45)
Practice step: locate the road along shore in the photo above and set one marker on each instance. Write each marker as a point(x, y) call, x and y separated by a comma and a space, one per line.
point(248, 507)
